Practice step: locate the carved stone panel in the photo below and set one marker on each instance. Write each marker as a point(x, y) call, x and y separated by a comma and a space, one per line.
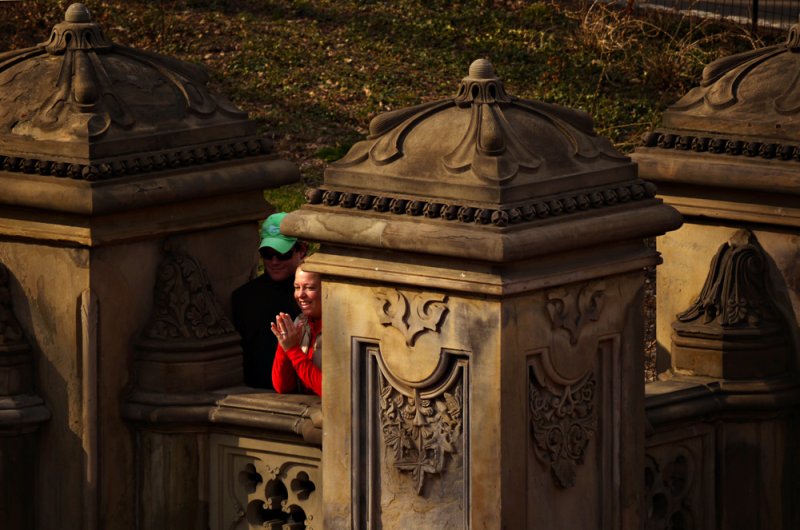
point(574, 427)
point(421, 434)
point(258, 484)
point(415, 456)
point(563, 422)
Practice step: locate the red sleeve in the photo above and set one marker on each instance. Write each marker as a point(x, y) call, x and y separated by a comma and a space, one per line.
point(283, 378)
point(307, 371)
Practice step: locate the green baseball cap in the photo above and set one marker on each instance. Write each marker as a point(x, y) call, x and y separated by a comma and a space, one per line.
point(271, 234)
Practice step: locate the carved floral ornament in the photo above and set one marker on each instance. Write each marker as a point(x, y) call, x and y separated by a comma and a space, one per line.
point(571, 311)
point(421, 423)
point(563, 420)
point(562, 386)
point(422, 428)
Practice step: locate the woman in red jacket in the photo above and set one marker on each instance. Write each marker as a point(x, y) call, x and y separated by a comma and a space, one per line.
point(298, 359)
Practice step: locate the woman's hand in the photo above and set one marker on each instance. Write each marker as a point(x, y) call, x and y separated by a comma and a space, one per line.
point(286, 331)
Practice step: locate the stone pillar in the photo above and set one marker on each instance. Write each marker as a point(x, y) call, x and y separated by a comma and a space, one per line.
point(105, 153)
point(728, 297)
point(482, 263)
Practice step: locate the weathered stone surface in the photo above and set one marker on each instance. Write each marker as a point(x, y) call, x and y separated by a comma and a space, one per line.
point(257, 483)
point(481, 297)
point(726, 159)
point(734, 329)
point(105, 152)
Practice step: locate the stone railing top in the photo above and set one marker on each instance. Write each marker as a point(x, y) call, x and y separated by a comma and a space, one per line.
point(236, 408)
point(747, 97)
point(80, 106)
point(481, 146)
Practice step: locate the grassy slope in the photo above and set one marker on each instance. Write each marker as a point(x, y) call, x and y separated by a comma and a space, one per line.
point(313, 73)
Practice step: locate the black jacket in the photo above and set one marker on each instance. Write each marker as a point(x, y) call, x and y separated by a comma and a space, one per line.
point(254, 306)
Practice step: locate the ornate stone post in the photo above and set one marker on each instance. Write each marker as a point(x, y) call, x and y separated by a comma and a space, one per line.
point(105, 153)
point(728, 297)
point(482, 262)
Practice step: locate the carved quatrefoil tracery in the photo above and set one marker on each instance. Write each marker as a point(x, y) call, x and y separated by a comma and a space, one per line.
point(272, 508)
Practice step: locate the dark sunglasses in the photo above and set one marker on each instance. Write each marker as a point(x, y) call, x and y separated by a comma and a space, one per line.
point(268, 254)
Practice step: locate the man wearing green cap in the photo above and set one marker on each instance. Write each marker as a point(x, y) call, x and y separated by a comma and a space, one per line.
point(256, 303)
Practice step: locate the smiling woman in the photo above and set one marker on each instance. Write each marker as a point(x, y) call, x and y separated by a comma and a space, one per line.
point(298, 359)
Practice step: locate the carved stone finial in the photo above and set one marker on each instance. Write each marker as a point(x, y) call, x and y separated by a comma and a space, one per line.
point(481, 85)
point(734, 329)
point(77, 13)
point(735, 294)
point(77, 32)
point(481, 69)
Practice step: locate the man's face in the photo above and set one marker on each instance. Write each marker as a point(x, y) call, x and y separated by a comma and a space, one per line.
point(281, 267)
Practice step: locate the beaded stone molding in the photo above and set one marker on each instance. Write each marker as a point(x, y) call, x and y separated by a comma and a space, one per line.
point(144, 163)
point(542, 208)
point(722, 146)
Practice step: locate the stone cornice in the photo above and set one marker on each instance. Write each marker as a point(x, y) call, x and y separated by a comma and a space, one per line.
point(135, 165)
point(701, 142)
point(539, 209)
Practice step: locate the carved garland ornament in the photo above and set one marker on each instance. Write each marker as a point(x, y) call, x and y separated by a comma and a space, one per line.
point(563, 421)
point(185, 306)
point(419, 433)
point(411, 313)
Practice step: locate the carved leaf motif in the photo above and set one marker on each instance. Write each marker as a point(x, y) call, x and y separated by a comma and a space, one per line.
point(185, 306)
point(419, 438)
point(563, 422)
point(736, 292)
point(571, 312)
point(411, 314)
